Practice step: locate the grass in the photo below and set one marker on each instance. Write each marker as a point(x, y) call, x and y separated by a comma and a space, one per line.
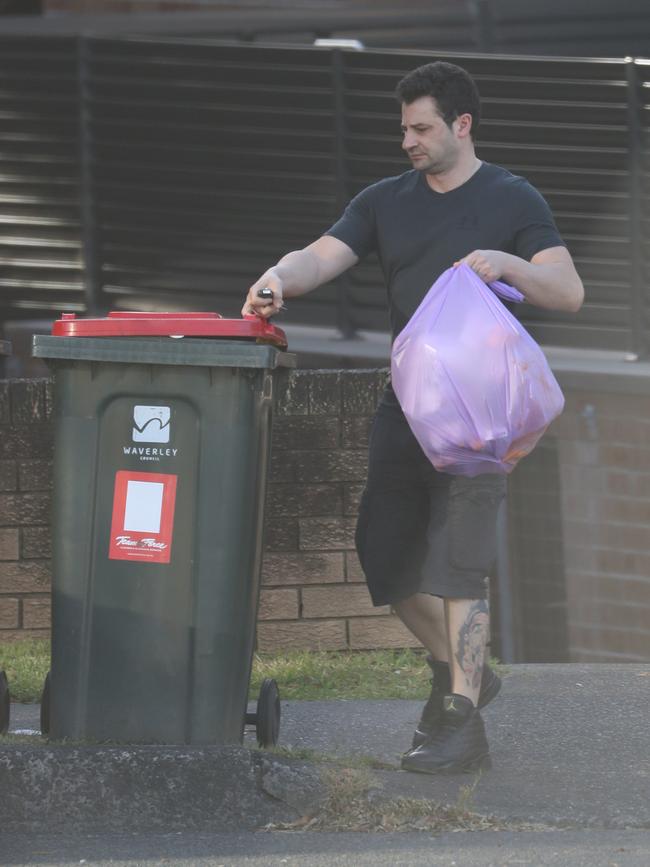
point(301, 674)
point(306, 754)
point(23, 740)
point(313, 675)
point(25, 663)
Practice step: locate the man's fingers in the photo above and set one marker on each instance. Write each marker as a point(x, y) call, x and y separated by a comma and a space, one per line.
point(264, 310)
point(264, 298)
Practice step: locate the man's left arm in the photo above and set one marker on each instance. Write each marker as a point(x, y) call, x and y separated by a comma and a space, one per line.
point(549, 280)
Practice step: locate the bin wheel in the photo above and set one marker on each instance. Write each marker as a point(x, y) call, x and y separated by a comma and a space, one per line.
point(5, 704)
point(45, 706)
point(267, 723)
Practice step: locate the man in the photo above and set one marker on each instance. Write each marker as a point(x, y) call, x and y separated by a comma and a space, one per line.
point(426, 539)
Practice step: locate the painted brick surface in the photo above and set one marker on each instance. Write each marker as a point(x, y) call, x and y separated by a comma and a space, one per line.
point(27, 441)
point(292, 394)
point(36, 613)
point(303, 568)
point(579, 522)
point(24, 509)
point(281, 534)
point(353, 570)
point(278, 605)
point(36, 543)
point(355, 431)
point(331, 466)
point(606, 503)
point(282, 468)
point(23, 634)
point(327, 533)
point(8, 475)
point(27, 399)
point(294, 500)
point(301, 635)
point(336, 601)
point(325, 392)
point(307, 433)
point(34, 475)
point(368, 633)
point(9, 544)
point(29, 576)
point(9, 613)
point(351, 498)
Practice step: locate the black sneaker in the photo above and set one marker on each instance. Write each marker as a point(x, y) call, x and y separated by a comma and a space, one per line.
point(440, 686)
point(458, 745)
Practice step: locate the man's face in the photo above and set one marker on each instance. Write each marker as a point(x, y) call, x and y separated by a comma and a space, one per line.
point(431, 145)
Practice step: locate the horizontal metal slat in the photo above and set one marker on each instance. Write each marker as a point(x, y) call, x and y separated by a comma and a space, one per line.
point(139, 183)
point(290, 142)
point(37, 237)
point(218, 202)
point(271, 216)
point(484, 66)
point(151, 117)
point(224, 97)
point(185, 80)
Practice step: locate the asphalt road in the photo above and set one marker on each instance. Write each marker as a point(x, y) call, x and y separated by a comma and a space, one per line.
point(594, 848)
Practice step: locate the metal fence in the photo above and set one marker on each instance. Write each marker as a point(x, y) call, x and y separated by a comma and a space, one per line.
point(167, 173)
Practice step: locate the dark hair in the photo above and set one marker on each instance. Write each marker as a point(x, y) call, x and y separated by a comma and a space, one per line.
point(453, 89)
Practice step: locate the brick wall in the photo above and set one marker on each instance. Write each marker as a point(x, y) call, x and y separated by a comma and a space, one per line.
point(25, 484)
point(604, 457)
point(313, 592)
point(579, 521)
point(537, 567)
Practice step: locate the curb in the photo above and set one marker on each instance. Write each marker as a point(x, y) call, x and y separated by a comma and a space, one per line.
point(152, 788)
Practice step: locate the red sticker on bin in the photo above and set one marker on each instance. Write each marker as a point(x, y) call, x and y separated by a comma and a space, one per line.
point(143, 516)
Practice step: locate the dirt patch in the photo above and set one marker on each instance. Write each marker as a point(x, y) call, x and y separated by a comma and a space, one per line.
point(356, 801)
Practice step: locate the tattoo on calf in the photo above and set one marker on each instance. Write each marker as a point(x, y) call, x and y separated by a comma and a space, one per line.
point(472, 639)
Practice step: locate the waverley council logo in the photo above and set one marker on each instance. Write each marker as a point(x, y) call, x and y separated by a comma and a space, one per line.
point(151, 424)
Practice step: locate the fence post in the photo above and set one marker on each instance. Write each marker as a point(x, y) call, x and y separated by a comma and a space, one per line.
point(483, 25)
point(95, 304)
point(344, 316)
point(635, 181)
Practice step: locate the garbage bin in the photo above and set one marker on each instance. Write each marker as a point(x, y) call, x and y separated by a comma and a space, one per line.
point(162, 439)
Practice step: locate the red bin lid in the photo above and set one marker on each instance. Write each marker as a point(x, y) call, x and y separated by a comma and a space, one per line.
point(139, 324)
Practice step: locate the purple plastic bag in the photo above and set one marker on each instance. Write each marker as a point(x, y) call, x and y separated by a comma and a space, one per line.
point(474, 386)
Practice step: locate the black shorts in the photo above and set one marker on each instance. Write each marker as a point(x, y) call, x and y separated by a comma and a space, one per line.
point(420, 530)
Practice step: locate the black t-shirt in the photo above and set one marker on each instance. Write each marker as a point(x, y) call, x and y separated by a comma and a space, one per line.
point(418, 233)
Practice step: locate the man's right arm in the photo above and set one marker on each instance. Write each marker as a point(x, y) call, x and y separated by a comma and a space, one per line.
point(298, 273)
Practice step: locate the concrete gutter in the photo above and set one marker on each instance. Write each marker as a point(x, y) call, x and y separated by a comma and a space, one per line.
point(151, 788)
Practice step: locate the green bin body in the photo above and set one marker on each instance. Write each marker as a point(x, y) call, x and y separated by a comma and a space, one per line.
point(161, 454)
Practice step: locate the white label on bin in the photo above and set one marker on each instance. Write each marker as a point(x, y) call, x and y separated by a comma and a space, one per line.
point(142, 523)
point(151, 424)
point(143, 506)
